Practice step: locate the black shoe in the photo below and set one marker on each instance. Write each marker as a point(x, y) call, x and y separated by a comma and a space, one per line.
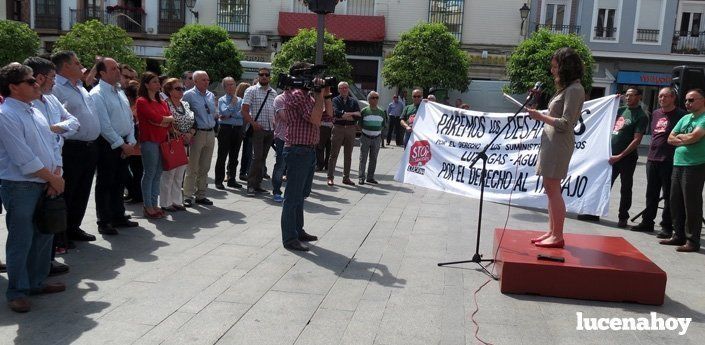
point(589, 217)
point(664, 234)
point(348, 182)
point(296, 245)
point(3, 268)
point(306, 237)
point(361, 181)
point(58, 268)
point(373, 181)
point(204, 201)
point(80, 235)
point(243, 177)
point(666, 227)
point(643, 227)
point(261, 190)
point(233, 184)
point(188, 202)
point(672, 242)
point(219, 186)
point(266, 176)
point(623, 223)
point(125, 224)
point(107, 229)
point(250, 191)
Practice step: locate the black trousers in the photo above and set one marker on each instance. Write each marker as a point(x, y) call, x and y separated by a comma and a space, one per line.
point(80, 159)
point(323, 148)
point(229, 142)
point(624, 169)
point(395, 129)
point(246, 158)
point(109, 184)
point(687, 202)
point(658, 179)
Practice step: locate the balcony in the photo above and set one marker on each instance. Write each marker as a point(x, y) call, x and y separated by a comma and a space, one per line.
point(606, 33)
point(129, 20)
point(647, 35)
point(47, 15)
point(688, 42)
point(560, 29)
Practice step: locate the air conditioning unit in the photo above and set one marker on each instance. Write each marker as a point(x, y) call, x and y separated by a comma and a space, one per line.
point(258, 40)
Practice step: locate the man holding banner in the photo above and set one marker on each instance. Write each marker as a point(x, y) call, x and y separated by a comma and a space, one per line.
point(409, 114)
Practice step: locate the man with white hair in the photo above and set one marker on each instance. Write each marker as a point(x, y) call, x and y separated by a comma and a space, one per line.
point(202, 103)
point(373, 120)
point(345, 115)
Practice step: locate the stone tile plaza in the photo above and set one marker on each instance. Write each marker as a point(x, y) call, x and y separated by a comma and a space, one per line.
point(219, 275)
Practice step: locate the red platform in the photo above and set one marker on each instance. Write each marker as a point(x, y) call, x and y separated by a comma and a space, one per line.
point(602, 268)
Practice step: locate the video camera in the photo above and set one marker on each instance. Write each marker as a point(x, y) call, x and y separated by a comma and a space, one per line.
point(302, 78)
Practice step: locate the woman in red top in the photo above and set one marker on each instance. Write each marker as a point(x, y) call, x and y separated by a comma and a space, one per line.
point(154, 122)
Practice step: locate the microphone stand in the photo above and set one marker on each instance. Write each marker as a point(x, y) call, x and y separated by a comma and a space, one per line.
point(477, 257)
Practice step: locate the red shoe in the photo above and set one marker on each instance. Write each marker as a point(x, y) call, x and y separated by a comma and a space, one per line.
point(559, 244)
point(539, 239)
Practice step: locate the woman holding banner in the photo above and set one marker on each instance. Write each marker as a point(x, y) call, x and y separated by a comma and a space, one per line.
point(558, 140)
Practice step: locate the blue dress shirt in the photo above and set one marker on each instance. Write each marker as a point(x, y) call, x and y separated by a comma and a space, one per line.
point(395, 108)
point(78, 102)
point(230, 112)
point(203, 107)
point(26, 143)
point(56, 115)
point(113, 110)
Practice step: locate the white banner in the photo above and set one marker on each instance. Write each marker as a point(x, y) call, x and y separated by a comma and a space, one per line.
point(445, 141)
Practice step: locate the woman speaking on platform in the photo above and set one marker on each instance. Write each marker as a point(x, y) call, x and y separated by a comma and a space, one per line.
point(558, 140)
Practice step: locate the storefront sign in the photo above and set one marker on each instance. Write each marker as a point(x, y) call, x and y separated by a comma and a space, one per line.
point(644, 78)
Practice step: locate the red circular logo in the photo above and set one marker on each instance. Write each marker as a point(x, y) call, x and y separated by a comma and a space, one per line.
point(420, 153)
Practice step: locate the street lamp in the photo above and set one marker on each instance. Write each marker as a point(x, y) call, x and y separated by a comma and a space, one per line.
point(190, 4)
point(320, 8)
point(524, 13)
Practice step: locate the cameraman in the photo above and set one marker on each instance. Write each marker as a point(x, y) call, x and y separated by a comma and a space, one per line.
point(304, 109)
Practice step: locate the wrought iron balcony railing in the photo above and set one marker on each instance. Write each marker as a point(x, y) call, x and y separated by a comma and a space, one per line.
point(561, 29)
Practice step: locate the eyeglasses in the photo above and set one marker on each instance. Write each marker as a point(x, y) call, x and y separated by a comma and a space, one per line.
point(29, 81)
point(264, 75)
point(692, 100)
point(179, 88)
point(374, 97)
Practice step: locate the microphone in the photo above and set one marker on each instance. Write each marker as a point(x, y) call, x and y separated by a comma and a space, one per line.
point(534, 94)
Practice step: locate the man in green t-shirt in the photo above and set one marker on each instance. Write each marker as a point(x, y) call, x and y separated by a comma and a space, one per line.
point(409, 113)
point(688, 175)
point(372, 122)
point(628, 130)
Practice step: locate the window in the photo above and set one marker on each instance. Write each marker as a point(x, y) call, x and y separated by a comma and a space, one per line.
point(649, 21)
point(605, 28)
point(47, 14)
point(690, 27)
point(448, 12)
point(556, 17)
point(234, 15)
point(171, 16)
point(360, 7)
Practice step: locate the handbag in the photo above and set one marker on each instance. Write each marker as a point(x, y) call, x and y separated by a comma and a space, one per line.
point(50, 214)
point(250, 129)
point(173, 153)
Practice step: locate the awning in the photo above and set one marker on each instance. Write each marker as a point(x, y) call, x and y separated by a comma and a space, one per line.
point(345, 27)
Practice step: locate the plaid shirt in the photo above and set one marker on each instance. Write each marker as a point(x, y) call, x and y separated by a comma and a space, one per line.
point(254, 95)
point(280, 117)
point(299, 131)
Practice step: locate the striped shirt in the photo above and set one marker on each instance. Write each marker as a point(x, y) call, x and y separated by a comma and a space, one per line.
point(254, 96)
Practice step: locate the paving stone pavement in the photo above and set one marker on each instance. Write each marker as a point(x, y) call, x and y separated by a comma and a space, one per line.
point(219, 275)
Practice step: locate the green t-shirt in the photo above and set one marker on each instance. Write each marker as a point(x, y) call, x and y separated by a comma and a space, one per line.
point(372, 121)
point(692, 154)
point(629, 122)
point(408, 113)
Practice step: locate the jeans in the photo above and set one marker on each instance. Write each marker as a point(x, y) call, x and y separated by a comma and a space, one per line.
point(371, 146)
point(279, 167)
point(301, 163)
point(28, 252)
point(624, 169)
point(686, 202)
point(658, 178)
point(152, 163)
point(229, 141)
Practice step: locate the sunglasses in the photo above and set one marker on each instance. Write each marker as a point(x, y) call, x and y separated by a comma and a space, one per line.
point(374, 97)
point(416, 96)
point(179, 88)
point(29, 81)
point(264, 74)
point(692, 100)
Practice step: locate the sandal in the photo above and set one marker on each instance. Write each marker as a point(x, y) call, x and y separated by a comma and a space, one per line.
point(152, 215)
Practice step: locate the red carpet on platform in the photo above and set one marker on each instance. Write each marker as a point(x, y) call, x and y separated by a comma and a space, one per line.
point(601, 268)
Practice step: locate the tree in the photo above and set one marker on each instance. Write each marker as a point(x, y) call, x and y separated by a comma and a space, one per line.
point(18, 42)
point(93, 38)
point(427, 56)
point(531, 61)
point(302, 47)
point(203, 47)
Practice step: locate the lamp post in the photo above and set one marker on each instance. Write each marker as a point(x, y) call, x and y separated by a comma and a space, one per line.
point(321, 8)
point(524, 13)
point(190, 4)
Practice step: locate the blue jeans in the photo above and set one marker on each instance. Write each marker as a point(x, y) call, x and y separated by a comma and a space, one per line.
point(152, 164)
point(279, 167)
point(301, 163)
point(28, 252)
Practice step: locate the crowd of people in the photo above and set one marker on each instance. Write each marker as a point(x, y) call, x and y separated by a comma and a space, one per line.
point(150, 139)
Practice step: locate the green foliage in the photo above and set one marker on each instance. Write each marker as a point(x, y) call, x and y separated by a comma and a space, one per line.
point(203, 47)
point(531, 61)
point(302, 47)
point(95, 38)
point(18, 42)
point(427, 56)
